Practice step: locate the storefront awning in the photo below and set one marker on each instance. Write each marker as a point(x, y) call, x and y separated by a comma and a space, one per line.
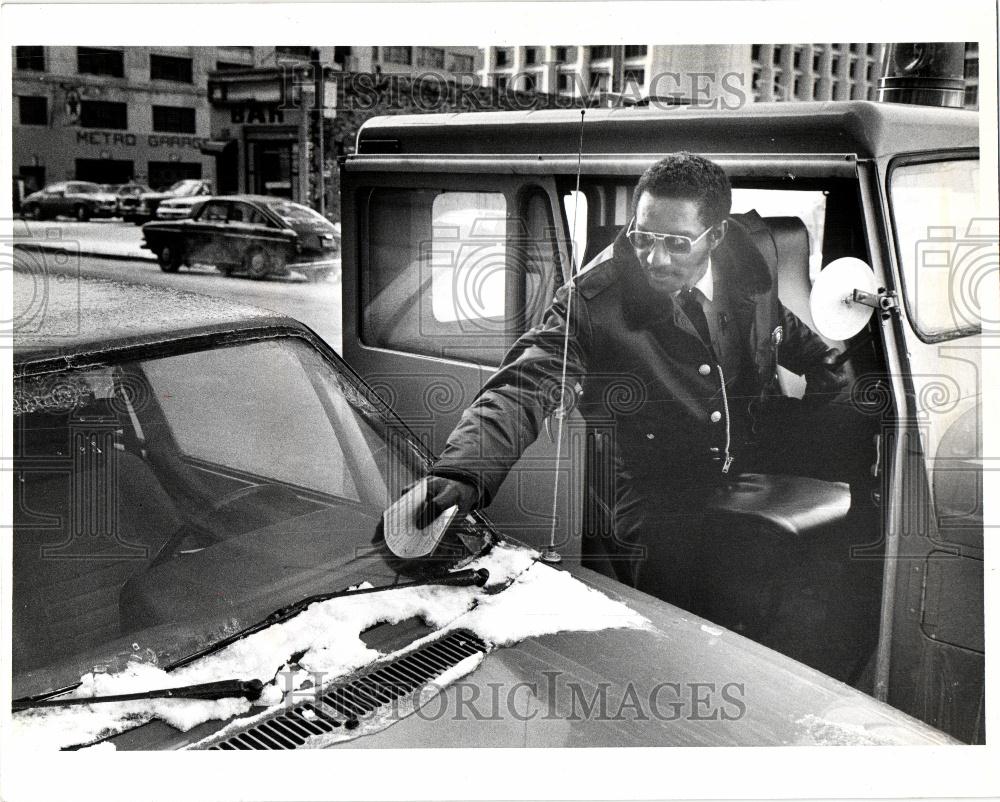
point(215, 147)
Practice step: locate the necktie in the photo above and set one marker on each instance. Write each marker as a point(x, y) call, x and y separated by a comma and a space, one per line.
point(691, 303)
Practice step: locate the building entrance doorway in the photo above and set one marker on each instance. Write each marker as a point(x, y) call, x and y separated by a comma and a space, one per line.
point(272, 172)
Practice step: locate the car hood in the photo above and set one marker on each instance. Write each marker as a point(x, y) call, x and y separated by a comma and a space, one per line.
point(682, 682)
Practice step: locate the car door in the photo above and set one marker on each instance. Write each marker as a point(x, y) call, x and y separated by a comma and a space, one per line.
point(449, 271)
point(203, 232)
point(53, 199)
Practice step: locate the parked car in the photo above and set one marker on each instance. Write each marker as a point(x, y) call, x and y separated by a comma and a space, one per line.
point(78, 199)
point(256, 235)
point(229, 464)
point(178, 208)
point(455, 244)
point(128, 197)
point(150, 201)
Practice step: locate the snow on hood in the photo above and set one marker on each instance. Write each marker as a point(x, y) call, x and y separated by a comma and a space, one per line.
point(539, 600)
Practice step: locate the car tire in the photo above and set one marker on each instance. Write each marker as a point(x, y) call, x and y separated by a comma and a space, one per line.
point(226, 270)
point(257, 264)
point(81, 213)
point(169, 258)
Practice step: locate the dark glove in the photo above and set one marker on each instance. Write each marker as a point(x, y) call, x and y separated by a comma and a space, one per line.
point(825, 381)
point(443, 493)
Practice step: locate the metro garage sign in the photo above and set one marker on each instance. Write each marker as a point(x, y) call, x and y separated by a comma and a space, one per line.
point(130, 140)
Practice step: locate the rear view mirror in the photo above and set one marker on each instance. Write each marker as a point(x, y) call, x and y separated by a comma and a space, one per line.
point(843, 298)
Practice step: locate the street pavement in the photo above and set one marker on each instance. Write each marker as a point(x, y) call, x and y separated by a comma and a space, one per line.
point(110, 249)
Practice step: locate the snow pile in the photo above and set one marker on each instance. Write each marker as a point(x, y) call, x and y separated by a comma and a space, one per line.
point(524, 598)
point(543, 601)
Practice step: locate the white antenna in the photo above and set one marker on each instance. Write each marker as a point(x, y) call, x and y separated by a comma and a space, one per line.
point(549, 554)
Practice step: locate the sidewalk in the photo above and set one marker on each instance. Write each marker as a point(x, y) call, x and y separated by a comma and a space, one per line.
point(110, 239)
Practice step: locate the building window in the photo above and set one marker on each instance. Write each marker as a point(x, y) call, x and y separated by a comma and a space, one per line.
point(870, 73)
point(30, 58)
point(501, 82)
point(563, 81)
point(755, 52)
point(601, 51)
point(286, 51)
point(229, 66)
point(529, 83)
point(170, 68)
point(398, 55)
point(562, 54)
point(834, 65)
point(776, 55)
point(797, 58)
point(816, 59)
point(599, 81)
point(635, 51)
point(33, 110)
point(99, 61)
point(815, 89)
point(634, 77)
point(460, 63)
point(531, 55)
point(173, 119)
point(503, 57)
point(103, 114)
point(432, 57)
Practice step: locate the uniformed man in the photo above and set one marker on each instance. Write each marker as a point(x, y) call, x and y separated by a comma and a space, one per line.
point(674, 335)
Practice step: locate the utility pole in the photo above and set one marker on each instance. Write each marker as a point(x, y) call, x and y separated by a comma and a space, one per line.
point(320, 87)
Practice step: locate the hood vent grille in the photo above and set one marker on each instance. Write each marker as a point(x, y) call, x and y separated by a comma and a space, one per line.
point(345, 704)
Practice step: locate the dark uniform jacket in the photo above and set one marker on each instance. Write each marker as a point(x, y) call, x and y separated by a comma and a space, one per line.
point(677, 411)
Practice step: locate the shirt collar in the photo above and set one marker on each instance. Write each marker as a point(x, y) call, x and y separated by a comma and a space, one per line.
point(706, 284)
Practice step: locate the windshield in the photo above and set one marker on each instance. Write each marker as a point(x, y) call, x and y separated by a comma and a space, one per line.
point(944, 244)
point(188, 187)
point(296, 213)
point(166, 502)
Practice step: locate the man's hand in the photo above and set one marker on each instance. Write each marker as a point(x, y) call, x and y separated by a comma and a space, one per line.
point(825, 381)
point(443, 493)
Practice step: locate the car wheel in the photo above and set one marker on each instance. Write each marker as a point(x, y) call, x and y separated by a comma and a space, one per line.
point(257, 264)
point(81, 213)
point(169, 258)
point(226, 270)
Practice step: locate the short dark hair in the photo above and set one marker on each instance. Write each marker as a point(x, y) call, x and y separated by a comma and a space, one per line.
point(687, 176)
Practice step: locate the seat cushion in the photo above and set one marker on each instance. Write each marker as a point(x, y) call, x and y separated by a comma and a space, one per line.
point(791, 505)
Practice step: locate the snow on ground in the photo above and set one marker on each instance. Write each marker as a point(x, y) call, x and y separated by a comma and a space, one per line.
point(539, 600)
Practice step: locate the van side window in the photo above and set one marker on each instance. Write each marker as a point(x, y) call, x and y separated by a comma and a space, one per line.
point(437, 281)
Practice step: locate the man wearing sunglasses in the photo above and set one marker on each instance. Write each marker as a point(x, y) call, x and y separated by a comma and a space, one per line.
point(670, 337)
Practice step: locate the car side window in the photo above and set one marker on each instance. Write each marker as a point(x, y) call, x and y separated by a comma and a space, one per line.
point(214, 212)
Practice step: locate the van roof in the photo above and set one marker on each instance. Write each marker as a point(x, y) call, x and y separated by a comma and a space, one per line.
point(863, 128)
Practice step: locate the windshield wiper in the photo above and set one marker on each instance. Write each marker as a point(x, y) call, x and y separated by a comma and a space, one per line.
point(223, 689)
point(463, 578)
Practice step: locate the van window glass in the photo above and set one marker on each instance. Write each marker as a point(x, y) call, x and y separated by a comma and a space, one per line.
point(468, 256)
point(437, 280)
point(944, 243)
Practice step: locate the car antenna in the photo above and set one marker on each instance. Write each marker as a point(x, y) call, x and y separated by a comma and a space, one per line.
point(549, 553)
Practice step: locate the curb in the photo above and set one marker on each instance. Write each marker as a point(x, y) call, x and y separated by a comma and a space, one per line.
point(54, 248)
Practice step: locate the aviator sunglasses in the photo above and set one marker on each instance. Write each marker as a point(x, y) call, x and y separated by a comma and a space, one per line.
point(673, 243)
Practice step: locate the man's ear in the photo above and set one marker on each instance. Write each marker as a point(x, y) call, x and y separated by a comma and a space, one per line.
point(717, 234)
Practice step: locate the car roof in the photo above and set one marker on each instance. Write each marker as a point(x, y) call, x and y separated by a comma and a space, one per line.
point(59, 316)
point(866, 129)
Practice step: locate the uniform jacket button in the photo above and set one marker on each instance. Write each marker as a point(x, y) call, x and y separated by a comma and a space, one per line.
point(704, 370)
point(715, 417)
